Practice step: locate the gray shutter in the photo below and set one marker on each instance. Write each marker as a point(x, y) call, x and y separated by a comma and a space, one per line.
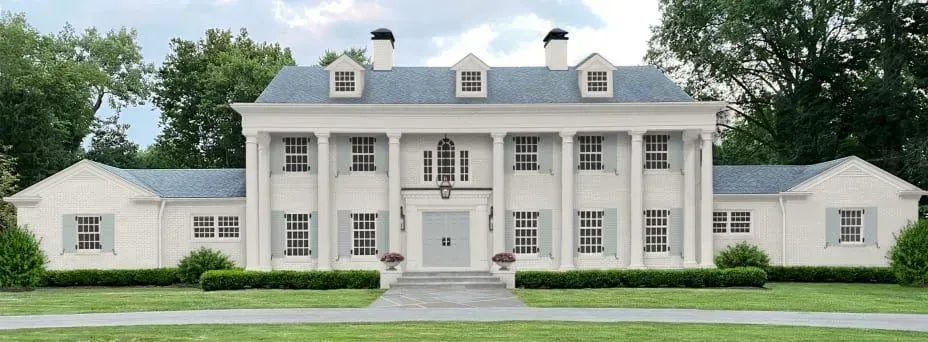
point(870, 226)
point(278, 234)
point(832, 231)
point(313, 154)
point(675, 151)
point(381, 154)
point(343, 160)
point(68, 233)
point(344, 234)
point(509, 154)
point(675, 233)
point(610, 149)
point(545, 241)
point(546, 154)
point(611, 232)
point(509, 231)
point(277, 155)
point(383, 231)
point(576, 232)
point(314, 233)
point(107, 232)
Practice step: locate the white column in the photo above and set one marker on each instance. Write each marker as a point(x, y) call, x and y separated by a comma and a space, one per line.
point(567, 200)
point(393, 173)
point(636, 213)
point(689, 200)
point(706, 205)
point(264, 200)
point(323, 203)
point(251, 202)
point(499, 198)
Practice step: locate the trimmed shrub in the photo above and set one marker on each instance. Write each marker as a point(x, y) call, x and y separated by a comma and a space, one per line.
point(831, 274)
point(909, 257)
point(303, 280)
point(742, 254)
point(138, 277)
point(695, 278)
point(202, 260)
point(22, 260)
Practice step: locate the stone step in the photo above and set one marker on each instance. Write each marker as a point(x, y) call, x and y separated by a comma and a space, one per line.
point(445, 274)
point(448, 279)
point(450, 285)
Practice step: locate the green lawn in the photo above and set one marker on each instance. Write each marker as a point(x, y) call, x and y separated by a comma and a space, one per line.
point(777, 296)
point(124, 299)
point(477, 331)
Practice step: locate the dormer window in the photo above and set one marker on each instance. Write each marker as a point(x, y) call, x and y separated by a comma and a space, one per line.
point(471, 81)
point(344, 81)
point(596, 82)
point(470, 77)
point(594, 76)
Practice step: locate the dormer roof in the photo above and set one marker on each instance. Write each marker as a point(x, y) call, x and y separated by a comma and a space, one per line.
point(344, 63)
point(595, 61)
point(470, 62)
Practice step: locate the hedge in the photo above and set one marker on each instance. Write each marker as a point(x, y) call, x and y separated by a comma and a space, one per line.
point(130, 277)
point(732, 277)
point(831, 274)
point(311, 280)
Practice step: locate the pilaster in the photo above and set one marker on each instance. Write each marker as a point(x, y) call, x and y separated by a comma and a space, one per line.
point(264, 200)
point(250, 240)
point(705, 205)
point(393, 173)
point(324, 208)
point(636, 213)
point(567, 200)
point(499, 196)
point(689, 199)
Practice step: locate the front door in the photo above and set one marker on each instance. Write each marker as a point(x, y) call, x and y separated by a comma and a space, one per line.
point(445, 236)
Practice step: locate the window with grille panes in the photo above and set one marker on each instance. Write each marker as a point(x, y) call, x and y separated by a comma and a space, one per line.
point(362, 153)
point(364, 234)
point(739, 222)
point(446, 160)
point(591, 232)
point(655, 230)
point(465, 166)
point(851, 225)
point(204, 227)
point(471, 81)
point(296, 154)
point(427, 165)
point(720, 222)
point(526, 232)
point(88, 233)
point(596, 82)
point(655, 151)
point(297, 235)
point(591, 152)
point(344, 81)
point(526, 153)
point(227, 227)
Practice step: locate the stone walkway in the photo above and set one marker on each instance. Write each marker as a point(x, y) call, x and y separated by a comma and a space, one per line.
point(442, 297)
point(375, 315)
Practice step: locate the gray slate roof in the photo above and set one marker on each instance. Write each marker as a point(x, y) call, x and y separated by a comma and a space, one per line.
point(226, 183)
point(186, 183)
point(764, 179)
point(436, 85)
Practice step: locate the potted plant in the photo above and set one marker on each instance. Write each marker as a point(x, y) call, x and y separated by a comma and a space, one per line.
point(391, 259)
point(504, 260)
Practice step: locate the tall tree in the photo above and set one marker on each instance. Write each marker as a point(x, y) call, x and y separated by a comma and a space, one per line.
point(8, 181)
point(197, 83)
point(110, 144)
point(357, 54)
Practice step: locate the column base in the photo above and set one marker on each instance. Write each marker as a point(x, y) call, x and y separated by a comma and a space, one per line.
point(690, 264)
point(636, 266)
point(710, 265)
point(567, 267)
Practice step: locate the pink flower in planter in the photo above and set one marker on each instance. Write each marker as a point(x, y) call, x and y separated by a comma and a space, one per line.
point(504, 257)
point(392, 257)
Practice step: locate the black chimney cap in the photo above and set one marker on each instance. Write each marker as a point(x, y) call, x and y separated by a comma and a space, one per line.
point(555, 34)
point(383, 34)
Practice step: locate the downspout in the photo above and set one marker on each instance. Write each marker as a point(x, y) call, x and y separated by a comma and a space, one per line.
point(783, 230)
point(160, 230)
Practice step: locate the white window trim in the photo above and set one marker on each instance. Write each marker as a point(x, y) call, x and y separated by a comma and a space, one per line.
point(644, 233)
point(644, 151)
point(216, 238)
point(584, 92)
point(377, 251)
point(473, 64)
point(602, 155)
point(77, 235)
point(515, 154)
point(863, 227)
point(346, 64)
point(283, 166)
point(515, 236)
point(602, 234)
point(752, 228)
point(457, 167)
point(459, 75)
point(309, 241)
point(373, 154)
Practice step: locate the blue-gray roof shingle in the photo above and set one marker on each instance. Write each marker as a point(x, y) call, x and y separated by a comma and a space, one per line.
point(505, 85)
point(764, 179)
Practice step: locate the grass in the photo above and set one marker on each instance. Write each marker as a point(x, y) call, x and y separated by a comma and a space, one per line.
point(125, 299)
point(477, 331)
point(831, 297)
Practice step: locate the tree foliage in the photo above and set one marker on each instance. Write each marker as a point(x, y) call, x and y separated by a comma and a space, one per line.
point(8, 180)
point(197, 83)
point(357, 54)
point(807, 80)
point(110, 144)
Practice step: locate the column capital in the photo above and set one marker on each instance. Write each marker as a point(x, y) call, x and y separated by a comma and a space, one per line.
point(251, 139)
point(690, 137)
point(706, 135)
point(394, 137)
point(322, 137)
point(568, 136)
point(262, 138)
point(637, 133)
point(498, 135)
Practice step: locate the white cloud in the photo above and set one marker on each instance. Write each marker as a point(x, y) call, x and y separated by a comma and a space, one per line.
point(319, 17)
point(623, 40)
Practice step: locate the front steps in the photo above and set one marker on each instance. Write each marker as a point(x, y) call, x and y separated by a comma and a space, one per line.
point(450, 280)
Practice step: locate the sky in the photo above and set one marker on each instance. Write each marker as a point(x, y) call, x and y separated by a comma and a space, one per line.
point(428, 32)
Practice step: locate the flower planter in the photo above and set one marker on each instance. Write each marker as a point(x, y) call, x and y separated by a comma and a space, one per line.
point(391, 265)
point(503, 266)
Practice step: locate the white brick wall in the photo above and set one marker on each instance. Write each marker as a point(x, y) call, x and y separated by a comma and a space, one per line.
point(766, 226)
point(178, 229)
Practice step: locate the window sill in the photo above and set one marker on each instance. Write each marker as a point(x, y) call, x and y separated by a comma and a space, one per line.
point(852, 244)
point(365, 258)
point(590, 256)
point(218, 240)
point(88, 252)
point(527, 257)
point(297, 259)
point(656, 254)
point(663, 172)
